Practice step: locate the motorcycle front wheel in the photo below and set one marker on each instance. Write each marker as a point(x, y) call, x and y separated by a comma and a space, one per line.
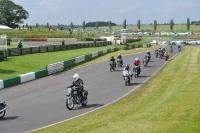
point(2, 114)
point(69, 103)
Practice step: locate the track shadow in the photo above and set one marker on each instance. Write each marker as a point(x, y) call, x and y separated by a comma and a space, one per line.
point(88, 106)
point(9, 118)
point(133, 84)
point(117, 70)
point(150, 66)
point(143, 76)
point(151, 61)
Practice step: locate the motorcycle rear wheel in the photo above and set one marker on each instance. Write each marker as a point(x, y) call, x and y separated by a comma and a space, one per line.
point(2, 114)
point(69, 104)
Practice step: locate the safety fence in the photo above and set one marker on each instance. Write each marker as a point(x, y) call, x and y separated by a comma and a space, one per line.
point(51, 48)
point(51, 69)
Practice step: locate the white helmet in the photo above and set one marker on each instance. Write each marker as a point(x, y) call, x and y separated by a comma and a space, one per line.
point(136, 59)
point(76, 77)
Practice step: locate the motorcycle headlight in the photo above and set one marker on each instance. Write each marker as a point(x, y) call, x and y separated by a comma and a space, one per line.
point(70, 90)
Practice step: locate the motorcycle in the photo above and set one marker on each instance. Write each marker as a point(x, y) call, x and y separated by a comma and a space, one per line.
point(136, 71)
point(171, 50)
point(179, 49)
point(145, 61)
point(112, 66)
point(119, 62)
point(148, 57)
point(126, 75)
point(161, 54)
point(74, 98)
point(156, 53)
point(3, 108)
point(166, 56)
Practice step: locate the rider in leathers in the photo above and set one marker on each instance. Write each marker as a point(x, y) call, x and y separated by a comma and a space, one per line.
point(78, 84)
point(113, 60)
point(137, 63)
point(128, 69)
point(120, 57)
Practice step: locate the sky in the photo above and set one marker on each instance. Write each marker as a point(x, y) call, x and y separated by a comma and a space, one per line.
point(77, 11)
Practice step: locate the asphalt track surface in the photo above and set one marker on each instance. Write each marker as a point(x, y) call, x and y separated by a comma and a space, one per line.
point(41, 102)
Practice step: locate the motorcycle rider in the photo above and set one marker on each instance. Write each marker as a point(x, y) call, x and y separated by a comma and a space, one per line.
point(148, 53)
point(120, 57)
point(78, 84)
point(171, 48)
point(163, 49)
point(113, 60)
point(137, 63)
point(126, 68)
point(179, 46)
point(166, 54)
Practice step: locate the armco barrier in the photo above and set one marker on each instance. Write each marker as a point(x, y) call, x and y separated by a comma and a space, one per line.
point(88, 57)
point(55, 67)
point(50, 48)
point(11, 81)
point(1, 84)
point(94, 54)
point(27, 77)
point(40, 73)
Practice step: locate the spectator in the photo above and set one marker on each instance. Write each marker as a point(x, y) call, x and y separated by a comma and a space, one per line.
point(63, 42)
point(23, 27)
point(20, 44)
point(95, 41)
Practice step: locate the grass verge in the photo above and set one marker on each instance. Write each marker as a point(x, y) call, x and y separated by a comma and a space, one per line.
point(168, 103)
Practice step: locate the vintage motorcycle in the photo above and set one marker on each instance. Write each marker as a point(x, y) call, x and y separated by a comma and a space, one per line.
point(170, 49)
point(126, 75)
point(119, 62)
point(112, 66)
point(136, 71)
point(3, 108)
point(156, 53)
point(74, 98)
point(145, 61)
point(161, 53)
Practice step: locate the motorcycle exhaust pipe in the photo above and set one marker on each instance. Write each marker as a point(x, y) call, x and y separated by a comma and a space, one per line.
point(3, 109)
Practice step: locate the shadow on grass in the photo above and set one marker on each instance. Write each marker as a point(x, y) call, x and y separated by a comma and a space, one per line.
point(7, 71)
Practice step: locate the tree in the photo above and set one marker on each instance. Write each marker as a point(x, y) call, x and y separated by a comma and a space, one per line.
point(124, 24)
point(171, 24)
point(26, 25)
point(155, 25)
point(11, 14)
point(36, 25)
point(110, 25)
point(47, 25)
point(188, 23)
point(139, 24)
point(71, 25)
point(83, 25)
point(96, 25)
point(58, 26)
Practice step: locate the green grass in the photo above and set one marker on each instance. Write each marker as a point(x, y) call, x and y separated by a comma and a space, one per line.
point(16, 65)
point(168, 103)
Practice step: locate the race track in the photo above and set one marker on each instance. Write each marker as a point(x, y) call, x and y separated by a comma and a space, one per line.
point(41, 102)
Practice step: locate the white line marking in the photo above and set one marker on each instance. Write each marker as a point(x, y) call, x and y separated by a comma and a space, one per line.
point(108, 103)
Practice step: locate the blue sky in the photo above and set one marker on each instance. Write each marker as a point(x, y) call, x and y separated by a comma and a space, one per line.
point(76, 11)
